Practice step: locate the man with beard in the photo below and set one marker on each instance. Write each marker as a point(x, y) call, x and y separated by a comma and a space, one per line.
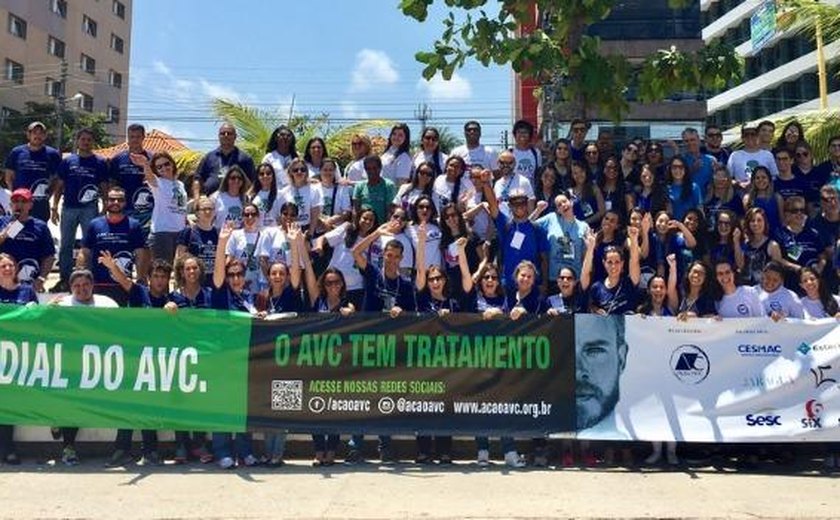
point(600, 357)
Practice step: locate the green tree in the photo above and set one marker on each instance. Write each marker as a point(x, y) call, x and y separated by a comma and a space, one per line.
point(560, 52)
point(254, 127)
point(13, 128)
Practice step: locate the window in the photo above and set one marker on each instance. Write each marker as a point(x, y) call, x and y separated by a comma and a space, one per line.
point(55, 47)
point(113, 114)
point(87, 64)
point(59, 7)
point(7, 114)
point(88, 25)
point(114, 79)
point(53, 88)
point(86, 102)
point(118, 9)
point(17, 26)
point(117, 43)
point(14, 71)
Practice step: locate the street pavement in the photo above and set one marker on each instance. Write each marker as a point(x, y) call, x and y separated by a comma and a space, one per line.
point(410, 491)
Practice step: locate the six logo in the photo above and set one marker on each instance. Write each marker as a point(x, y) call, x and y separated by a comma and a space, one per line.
point(813, 415)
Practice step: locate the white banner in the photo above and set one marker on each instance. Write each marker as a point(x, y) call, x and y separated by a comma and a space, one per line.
point(707, 380)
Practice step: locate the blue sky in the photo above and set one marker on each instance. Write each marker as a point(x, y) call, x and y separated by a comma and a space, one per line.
point(353, 60)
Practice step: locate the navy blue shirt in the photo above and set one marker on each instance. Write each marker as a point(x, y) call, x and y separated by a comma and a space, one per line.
point(533, 243)
point(121, 239)
point(533, 303)
point(130, 177)
point(425, 303)
point(621, 299)
point(224, 299)
point(801, 248)
point(480, 303)
point(33, 169)
point(202, 299)
point(82, 177)
point(795, 187)
point(288, 301)
point(382, 293)
point(215, 164)
point(31, 245)
point(201, 244)
point(141, 296)
point(813, 181)
point(23, 294)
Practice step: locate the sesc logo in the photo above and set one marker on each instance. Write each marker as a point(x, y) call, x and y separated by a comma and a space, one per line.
point(763, 420)
point(750, 350)
point(690, 364)
point(813, 415)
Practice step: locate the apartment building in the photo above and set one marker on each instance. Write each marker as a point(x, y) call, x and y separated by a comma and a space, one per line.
point(78, 49)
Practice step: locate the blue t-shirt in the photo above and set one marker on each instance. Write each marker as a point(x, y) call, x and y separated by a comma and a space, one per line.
point(794, 187)
point(215, 165)
point(564, 242)
point(139, 201)
point(33, 169)
point(425, 303)
point(224, 299)
point(714, 206)
point(621, 299)
point(801, 248)
point(480, 303)
point(32, 244)
point(121, 239)
point(201, 244)
point(288, 301)
point(680, 206)
point(533, 302)
point(141, 296)
point(813, 181)
point(82, 177)
point(21, 295)
point(701, 169)
point(202, 299)
point(530, 244)
point(382, 293)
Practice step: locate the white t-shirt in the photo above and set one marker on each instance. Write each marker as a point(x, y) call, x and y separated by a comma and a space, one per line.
point(743, 303)
point(99, 300)
point(305, 198)
point(484, 155)
point(433, 237)
point(406, 197)
point(781, 300)
point(270, 217)
point(229, 208)
point(170, 212)
point(314, 171)
point(421, 157)
point(342, 257)
point(5, 202)
point(397, 169)
point(528, 162)
point(481, 222)
point(341, 195)
point(442, 190)
point(741, 164)
point(279, 163)
point(814, 309)
point(504, 186)
point(275, 247)
point(245, 245)
point(356, 171)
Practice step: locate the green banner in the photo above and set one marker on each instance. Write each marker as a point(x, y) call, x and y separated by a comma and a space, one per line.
point(64, 366)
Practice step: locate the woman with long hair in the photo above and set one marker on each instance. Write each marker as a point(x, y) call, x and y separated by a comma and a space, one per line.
point(562, 165)
point(453, 186)
point(726, 240)
point(279, 152)
point(244, 245)
point(697, 297)
point(337, 204)
point(230, 198)
point(757, 248)
point(303, 194)
point(721, 196)
point(792, 134)
point(587, 199)
point(761, 195)
point(817, 300)
point(613, 189)
point(683, 192)
point(421, 184)
point(453, 229)
point(656, 160)
point(360, 147)
point(201, 237)
point(616, 293)
point(314, 155)
point(651, 195)
point(430, 150)
point(396, 161)
point(546, 187)
point(264, 194)
point(425, 214)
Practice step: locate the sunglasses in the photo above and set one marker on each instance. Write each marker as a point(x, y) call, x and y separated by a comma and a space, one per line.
point(236, 274)
point(424, 206)
point(429, 138)
point(797, 211)
point(489, 277)
point(433, 279)
point(110, 199)
point(226, 133)
point(250, 214)
point(265, 174)
point(300, 169)
point(207, 210)
point(506, 163)
point(332, 283)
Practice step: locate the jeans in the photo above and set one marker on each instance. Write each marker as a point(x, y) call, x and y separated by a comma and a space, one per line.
point(7, 443)
point(508, 445)
point(325, 442)
point(163, 245)
point(222, 443)
point(71, 218)
point(150, 441)
point(275, 444)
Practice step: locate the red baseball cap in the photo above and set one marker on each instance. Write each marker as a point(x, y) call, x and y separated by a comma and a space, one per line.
point(22, 193)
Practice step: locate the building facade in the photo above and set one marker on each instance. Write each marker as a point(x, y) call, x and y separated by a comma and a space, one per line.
point(780, 77)
point(76, 50)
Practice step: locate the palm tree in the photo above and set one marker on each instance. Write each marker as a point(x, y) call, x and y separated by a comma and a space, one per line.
point(254, 127)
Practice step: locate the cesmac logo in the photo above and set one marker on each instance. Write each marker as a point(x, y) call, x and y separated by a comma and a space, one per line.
point(813, 415)
point(754, 350)
point(690, 364)
point(763, 420)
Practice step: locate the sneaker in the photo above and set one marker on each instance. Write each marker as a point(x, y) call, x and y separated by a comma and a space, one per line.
point(483, 458)
point(118, 458)
point(249, 461)
point(353, 458)
point(12, 459)
point(150, 459)
point(385, 457)
point(69, 456)
point(181, 455)
point(514, 460)
point(653, 458)
point(226, 463)
point(202, 455)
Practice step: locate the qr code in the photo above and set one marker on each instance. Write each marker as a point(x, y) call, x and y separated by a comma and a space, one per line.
point(287, 395)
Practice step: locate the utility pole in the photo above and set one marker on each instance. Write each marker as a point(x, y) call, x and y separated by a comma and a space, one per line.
point(423, 114)
point(61, 105)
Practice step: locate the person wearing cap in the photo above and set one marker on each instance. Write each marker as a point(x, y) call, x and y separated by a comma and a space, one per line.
point(33, 166)
point(122, 237)
point(28, 239)
point(81, 177)
point(742, 162)
point(519, 238)
point(473, 152)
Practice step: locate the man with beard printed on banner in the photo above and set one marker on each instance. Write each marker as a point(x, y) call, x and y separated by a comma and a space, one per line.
point(600, 358)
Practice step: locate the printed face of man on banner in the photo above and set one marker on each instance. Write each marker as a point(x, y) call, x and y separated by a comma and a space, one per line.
point(600, 356)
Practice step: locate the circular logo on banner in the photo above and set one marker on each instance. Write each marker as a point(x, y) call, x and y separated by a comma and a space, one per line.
point(317, 404)
point(386, 405)
point(690, 364)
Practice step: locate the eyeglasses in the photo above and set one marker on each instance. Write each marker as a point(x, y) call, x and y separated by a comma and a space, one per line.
point(115, 199)
point(265, 174)
point(803, 154)
point(429, 138)
point(236, 274)
point(166, 164)
point(654, 150)
point(250, 214)
point(332, 283)
point(424, 206)
point(433, 279)
point(591, 152)
point(226, 133)
point(490, 277)
point(797, 211)
point(300, 169)
point(506, 163)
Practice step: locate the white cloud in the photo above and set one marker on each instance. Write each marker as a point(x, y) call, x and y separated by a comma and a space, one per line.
point(372, 68)
point(191, 91)
point(458, 88)
point(350, 110)
point(161, 68)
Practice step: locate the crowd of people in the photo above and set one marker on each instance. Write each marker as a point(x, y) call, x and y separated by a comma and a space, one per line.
point(585, 227)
